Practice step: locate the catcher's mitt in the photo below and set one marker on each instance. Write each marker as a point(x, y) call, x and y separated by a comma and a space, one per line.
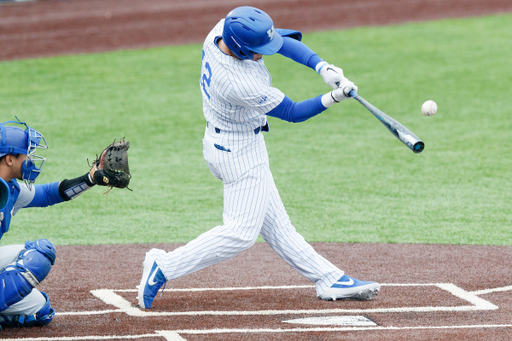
point(111, 167)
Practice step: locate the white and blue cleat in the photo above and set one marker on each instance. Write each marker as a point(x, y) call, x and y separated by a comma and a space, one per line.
point(350, 288)
point(152, 280)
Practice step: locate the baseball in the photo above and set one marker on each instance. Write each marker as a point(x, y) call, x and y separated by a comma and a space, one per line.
point(429, 108)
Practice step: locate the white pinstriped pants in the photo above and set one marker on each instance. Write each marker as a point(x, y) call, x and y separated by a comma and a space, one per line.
point(252, 206)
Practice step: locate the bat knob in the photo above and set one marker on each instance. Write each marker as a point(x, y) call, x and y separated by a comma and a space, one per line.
point(418, 147)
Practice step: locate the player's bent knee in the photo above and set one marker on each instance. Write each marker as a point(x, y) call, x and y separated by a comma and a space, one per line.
point(37, 260)
point(32, 266)
point(44, 246)
point(43, 317)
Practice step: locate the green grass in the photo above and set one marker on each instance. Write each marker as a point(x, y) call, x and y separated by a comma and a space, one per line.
point(342, 176)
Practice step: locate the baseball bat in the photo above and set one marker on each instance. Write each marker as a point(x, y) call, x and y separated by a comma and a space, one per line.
point(395, 127)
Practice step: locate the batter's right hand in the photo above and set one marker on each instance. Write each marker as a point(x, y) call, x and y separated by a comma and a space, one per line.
point(343, 92)
point(348, 86)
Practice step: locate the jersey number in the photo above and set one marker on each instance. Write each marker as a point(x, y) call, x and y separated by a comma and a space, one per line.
point(206, 80)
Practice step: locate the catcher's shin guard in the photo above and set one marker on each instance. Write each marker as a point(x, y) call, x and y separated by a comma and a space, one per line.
point(43, 317)
point(31, 267)
point(13, 288)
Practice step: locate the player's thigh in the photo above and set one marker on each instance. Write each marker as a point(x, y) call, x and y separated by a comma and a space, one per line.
point(246, 200)
point(9, 253)
point(276, 215)
point(29, 305)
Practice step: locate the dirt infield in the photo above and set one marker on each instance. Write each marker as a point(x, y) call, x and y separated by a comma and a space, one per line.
point(47, 28)
point(429, 292)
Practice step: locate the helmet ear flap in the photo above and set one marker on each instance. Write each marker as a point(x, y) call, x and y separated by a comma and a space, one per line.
point(234, 43)
point(247, 54)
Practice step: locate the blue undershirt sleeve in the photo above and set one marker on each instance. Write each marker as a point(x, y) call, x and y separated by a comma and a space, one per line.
point(299, 52)
point(295, 112)
point(46, 195)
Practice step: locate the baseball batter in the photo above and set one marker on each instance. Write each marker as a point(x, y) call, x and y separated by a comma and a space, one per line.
point(237, 97)
point(23, 267)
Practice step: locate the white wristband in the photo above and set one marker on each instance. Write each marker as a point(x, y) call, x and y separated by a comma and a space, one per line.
point(320, 66)
point(328, 100)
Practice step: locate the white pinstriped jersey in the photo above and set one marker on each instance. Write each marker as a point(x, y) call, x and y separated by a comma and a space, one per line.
point(236, 93)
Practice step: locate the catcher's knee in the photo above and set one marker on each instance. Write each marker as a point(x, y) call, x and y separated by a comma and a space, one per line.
point(37, 260)
point(43, 317)
point(31, 268)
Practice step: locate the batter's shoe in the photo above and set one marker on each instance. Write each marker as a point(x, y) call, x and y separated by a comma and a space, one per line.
point(152, 280)
point(350, 288)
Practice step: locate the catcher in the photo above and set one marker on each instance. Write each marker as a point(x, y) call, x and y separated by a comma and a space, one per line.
point(23, 267)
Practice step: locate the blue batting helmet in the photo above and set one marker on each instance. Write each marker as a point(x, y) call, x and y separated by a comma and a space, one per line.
point(248, 30)
point(14, 141)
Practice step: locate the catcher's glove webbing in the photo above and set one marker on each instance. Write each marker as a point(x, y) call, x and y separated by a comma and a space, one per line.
point(111, 167)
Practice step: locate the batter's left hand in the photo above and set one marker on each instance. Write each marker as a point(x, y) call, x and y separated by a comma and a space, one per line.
point(332, 75)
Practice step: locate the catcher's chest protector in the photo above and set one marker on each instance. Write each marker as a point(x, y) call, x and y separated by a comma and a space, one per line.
point(13, 190)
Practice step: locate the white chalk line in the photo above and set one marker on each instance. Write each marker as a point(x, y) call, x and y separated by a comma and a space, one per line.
point(327, 329)
point(174, 335)
point(490, 291)
point(80, 338)
point(110, 297)
point(92, 312)
point(281, 287)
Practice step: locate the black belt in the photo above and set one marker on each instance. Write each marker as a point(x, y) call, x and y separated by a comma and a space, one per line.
point(256, 131)
point(264, 128)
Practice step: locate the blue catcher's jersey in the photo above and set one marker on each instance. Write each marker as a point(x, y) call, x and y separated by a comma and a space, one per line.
point(8, 210)
point(20, 197)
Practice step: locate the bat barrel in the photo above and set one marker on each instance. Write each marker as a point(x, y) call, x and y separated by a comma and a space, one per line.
point(409, 139)
point(395, 127)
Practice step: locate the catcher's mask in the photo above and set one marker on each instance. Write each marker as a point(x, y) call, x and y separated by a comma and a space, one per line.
point(248, 30)
point(15, 141)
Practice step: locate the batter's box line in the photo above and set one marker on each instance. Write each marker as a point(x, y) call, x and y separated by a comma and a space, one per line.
point(110, 297)
point(176, 335)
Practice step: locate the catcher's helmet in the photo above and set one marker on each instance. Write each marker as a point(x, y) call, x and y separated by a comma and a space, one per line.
point(14, 141)
point(248, 30)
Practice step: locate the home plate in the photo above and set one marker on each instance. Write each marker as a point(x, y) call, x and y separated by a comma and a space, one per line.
point(359, 321)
